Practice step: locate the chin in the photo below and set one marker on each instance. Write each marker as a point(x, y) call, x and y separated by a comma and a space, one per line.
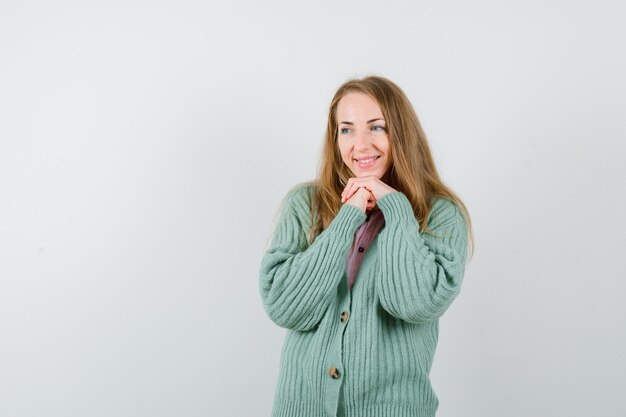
point(377, 174)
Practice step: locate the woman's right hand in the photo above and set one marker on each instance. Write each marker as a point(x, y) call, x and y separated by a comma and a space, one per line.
point(362, 199)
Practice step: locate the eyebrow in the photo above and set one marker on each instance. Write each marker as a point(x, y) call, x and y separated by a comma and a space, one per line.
point(369, 121)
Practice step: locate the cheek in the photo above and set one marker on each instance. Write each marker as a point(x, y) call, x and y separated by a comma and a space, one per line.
point(345, 155)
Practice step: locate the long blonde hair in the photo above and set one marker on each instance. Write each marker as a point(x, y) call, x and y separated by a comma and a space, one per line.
point(412, 172)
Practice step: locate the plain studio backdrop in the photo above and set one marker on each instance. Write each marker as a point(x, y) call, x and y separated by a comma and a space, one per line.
point(146, 147)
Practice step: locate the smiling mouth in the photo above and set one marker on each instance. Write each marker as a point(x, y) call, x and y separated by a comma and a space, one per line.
point(367, 163)
point(368, 160)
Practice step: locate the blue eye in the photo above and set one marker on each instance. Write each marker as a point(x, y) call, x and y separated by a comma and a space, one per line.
point(380, 128)
point(344, 130)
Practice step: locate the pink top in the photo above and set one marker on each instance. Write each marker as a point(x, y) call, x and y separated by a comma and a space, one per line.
point(364, 235)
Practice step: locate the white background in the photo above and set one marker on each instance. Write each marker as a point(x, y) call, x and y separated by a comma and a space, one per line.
point(145, 147)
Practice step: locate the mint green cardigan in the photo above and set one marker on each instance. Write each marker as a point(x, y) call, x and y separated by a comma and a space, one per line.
point(376, 342)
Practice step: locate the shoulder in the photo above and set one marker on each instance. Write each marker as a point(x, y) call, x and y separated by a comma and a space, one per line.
point(301, 193)
point(444, 213)
point(299, 197)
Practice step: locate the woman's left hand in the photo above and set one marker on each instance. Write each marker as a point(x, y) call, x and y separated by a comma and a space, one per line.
point(371, 183)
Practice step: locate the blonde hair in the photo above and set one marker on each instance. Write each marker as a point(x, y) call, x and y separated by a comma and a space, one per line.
point(412, 172)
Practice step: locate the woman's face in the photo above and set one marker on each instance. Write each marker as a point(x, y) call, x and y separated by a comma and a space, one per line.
point(362, 135)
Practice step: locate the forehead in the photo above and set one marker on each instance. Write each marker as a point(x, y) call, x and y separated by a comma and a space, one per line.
point(355, 106)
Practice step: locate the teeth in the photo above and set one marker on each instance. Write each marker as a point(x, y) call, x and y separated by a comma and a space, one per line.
point(365, 161)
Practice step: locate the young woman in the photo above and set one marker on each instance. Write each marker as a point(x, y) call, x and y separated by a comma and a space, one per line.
point(362, 263)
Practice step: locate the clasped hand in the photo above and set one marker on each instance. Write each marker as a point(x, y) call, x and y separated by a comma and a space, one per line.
point(363, 192)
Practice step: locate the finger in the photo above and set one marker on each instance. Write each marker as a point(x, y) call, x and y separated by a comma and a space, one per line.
point(371, 184)
point(354, 187)
point(349, 190)
point(371, 202)
point(352, 192)
point(365, 194)
point(366, 189)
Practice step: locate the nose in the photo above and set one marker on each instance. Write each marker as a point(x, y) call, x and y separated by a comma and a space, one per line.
point(362, 140)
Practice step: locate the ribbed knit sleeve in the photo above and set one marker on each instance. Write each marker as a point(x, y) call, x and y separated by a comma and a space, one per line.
point(297, 281)
point(420, 274)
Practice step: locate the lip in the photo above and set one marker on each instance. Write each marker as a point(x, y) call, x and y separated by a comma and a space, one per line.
point(366, 157)
point(373, 162)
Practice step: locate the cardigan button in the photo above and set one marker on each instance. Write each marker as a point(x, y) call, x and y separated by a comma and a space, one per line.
point(361, 249)
point(333, 372)
point(344, 317)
